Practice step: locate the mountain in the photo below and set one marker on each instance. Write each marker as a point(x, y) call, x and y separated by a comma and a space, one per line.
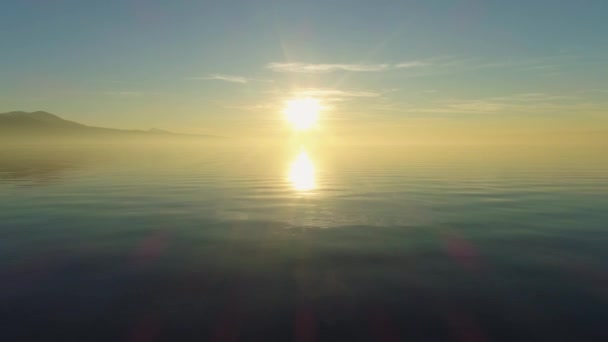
point(46, 125)
point(35, 120)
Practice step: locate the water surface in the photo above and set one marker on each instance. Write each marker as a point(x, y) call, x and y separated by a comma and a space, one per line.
point(306, 243)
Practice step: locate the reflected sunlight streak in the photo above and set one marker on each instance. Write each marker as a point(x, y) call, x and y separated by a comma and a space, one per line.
point(302, 172)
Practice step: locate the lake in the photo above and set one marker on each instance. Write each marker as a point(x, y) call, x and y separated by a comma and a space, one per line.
point(303, 242)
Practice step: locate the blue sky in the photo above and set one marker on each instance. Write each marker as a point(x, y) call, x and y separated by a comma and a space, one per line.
point(209, 65)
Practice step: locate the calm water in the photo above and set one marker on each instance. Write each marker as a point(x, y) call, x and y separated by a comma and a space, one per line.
point(303, 243)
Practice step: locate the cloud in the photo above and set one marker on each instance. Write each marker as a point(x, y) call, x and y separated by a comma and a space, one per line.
point(514, 103)
point(354, 67)
point(533, 97)
point(225, 78)
point(531, 63)
point(476, 106)
point(411, 64)
point(443, 65)
point(326, 95)
point(324, 68)
point(228, 78)
point(334, 93)
point(593, 91)
point(429, 66)
point(255, 107)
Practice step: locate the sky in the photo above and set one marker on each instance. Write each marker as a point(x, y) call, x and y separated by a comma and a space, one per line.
point(391, 66)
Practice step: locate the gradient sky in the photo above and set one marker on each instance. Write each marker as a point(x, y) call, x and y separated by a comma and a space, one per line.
point(228, 66)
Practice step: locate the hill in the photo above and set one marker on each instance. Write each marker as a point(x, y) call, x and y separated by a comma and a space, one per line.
point(44, 125)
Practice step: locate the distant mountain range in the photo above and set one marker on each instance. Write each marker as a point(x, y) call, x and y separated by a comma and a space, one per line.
point(42, 124)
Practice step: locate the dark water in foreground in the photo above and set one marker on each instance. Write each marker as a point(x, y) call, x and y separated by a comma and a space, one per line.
point(256, 243)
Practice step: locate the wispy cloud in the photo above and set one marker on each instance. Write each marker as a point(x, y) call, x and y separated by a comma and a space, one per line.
point(227, 78)
point(329, 97)
point(533, 97)
point(334, 93)
point(353, 67)
point(443, 65)
point(515, 103)
point(411, 64)
point(593, 91)
point(222, 77)
point(522, 63)
point(427, 66)
point(324, 68)
point(255, 107)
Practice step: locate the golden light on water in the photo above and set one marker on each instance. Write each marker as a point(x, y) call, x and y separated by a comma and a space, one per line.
point(302, 113)
point(302, 172)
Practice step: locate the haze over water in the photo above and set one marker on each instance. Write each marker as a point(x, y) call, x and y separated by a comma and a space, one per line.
point(327, 242)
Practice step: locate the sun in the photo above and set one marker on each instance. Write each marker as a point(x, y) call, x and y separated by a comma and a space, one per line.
point(302, 113)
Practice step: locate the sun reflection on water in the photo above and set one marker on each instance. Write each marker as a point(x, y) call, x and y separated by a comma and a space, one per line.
point(302, 172)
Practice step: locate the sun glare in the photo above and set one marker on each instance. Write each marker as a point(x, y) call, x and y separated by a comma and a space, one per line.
point(302, 113)
point(302, 172)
